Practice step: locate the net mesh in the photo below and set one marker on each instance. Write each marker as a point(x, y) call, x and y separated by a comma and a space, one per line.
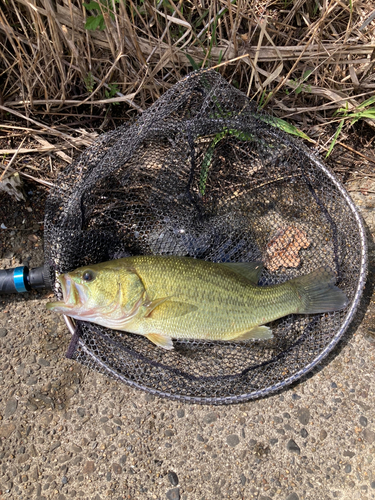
point(203, 174)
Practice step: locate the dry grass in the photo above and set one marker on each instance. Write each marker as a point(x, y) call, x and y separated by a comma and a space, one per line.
point(304, 60)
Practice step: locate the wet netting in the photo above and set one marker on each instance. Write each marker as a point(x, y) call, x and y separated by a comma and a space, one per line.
point(203, 174)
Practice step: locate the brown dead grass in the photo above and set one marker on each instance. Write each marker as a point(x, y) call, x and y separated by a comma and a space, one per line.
point(304, 60)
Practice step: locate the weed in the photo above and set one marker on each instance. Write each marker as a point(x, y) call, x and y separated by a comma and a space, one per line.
point(89, 82)
point(97, 21)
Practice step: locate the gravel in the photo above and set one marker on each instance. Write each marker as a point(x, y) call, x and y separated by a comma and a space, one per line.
point(173, 494)
point(293, 447)
point(173, 478)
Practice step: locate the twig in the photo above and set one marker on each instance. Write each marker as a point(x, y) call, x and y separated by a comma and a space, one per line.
point(356, 152)
point(40, 181)
point(46, 127)
point(70, 102)
point(12, 159)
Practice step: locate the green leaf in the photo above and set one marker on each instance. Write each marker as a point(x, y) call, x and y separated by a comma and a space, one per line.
point(368, 102)
point(92, 6)
point(306, 74)
point(335, 138)
point(92, 22)
point(101, 23)
point(285, 126)
point(192, 62)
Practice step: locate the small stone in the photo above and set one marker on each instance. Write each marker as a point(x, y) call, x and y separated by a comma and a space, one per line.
point(292, 496)
point(295, 397)
point(200, 438)
point(43, 362)
point(349, 454)
point(372, 485)
point(369, 436)
point(333, 385)
point(264, 498)
point(169, 433)
point(75, 448)
point(348, 468)
point(210, 418)
point(173, 494)
point(273, 441)
point(77, 460)
point(173, 478)
point(51, 346)
point(322, 435)
point(243, 479)
point(293, 447)
point(180, 413)
point(122, 459)
point(363, 421)
point(89, 467)
point(55, 445)
point(6, 430)
point(31, 381)
point(64, 480)
point(33, 451)
point(304, 433)
point(46, 419)
point(10, 407)
point(108, 430)
point(23, 458)
point(233, 440)
point(64, 458)
point(149, 397)
point(303, 415)
point(117, 469)
point(3, 332)
point(81, 412)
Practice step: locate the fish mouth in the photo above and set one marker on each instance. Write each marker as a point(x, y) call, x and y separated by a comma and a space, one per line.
point(74, 301)
point(73, 298)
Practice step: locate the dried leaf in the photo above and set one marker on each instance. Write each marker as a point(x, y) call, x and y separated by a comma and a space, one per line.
point(283, 248)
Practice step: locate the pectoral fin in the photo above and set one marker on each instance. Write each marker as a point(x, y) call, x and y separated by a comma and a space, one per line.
point(166, 308)
point(161, 340)
point(256, 333)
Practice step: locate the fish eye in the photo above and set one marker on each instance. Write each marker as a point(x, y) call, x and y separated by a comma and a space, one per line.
point(88, 275)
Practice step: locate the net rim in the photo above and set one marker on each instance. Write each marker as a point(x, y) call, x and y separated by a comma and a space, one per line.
point(306, 369)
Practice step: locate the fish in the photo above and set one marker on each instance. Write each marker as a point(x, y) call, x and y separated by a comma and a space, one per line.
point(171, 297)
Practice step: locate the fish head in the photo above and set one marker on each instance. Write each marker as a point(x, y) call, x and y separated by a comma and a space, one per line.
point(98, 291)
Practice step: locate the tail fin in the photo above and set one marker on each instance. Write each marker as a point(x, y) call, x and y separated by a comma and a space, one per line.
point(318, 294)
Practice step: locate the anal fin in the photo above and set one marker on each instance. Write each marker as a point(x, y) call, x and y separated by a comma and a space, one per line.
point(256, 333)
point(161, 340)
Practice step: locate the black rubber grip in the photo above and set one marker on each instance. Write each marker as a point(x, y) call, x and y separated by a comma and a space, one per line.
point(39, 278)
point(8, 283)
point(21, 279)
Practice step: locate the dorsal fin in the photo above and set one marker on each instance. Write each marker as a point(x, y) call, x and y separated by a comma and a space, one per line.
point(249, 270)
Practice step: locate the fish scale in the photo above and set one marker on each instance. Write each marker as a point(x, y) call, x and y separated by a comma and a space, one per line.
point(180, 297)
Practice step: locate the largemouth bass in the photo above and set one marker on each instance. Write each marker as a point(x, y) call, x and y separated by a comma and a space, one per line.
point(184, 298)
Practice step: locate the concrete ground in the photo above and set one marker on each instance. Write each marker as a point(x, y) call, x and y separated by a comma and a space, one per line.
point(67, 432)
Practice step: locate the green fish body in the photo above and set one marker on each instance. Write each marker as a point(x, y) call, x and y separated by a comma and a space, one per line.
point(184, 298)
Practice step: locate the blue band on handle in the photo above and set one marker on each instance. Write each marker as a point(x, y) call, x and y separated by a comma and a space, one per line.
point(18, 279)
